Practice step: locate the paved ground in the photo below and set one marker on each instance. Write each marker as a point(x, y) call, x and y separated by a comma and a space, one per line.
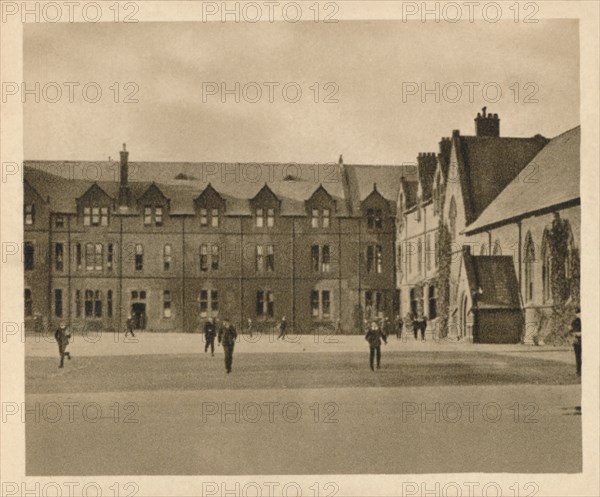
point(186, 343)
point(300, 408)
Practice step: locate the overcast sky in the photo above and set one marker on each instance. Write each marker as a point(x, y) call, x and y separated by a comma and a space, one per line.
point(368, 61)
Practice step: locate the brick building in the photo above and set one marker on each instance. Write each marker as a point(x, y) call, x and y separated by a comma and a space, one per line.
point(313, 243)
point(519, 223)
point(498, 197)
point(417, 235)
point(323, 245)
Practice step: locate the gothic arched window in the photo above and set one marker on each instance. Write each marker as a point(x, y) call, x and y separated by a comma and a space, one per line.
point(529, 268)
point(546, 269)
point(452, 218)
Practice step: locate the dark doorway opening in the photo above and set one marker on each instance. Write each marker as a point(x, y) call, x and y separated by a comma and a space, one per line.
point(138, 314)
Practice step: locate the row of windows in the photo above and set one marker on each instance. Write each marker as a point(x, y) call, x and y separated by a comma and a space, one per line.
point(424, 257)
point(154, 216)
point(95, 216)
point(91, 256)
point(418, 301)
point(91, 304)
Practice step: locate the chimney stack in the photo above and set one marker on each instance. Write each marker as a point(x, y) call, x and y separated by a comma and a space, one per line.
point(445, 147)
point(487, 124)
point(124, 166)
point(124, 191)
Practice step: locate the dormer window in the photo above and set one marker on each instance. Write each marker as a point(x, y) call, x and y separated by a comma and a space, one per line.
point(214, 218)
point(326, 218)
point(210, 217)
point(29, 214)
point(316, 214)
point(265, 217)
point(374, 218)
point(153, 216)
point(95, 216)
point(320, 218)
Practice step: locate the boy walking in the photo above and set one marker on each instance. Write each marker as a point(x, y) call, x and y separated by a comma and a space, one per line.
point(62, 338)
point(227, 337)
point(282, 328)
point(210, 333)
point(129, 326)
point(374, 336)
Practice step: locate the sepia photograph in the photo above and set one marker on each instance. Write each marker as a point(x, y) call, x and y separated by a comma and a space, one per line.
point(297, 239)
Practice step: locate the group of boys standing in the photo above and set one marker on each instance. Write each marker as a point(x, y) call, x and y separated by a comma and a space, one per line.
point(397, 325)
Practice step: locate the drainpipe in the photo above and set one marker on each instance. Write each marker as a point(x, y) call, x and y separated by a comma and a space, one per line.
point(49, 266)
point(120, 275)
point(183, 302)
point(241, 281)
point(489, 241)
point(293, 274)
point(340, 270)
point(359, 261)
point(68, 252)
point(519, 257)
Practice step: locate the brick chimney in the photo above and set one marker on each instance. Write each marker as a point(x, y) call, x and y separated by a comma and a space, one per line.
point(427, 163)
point(445, 148)
point(487, 124)
point(124, 191)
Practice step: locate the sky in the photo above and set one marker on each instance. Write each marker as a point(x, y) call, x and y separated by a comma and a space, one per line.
point(372, 65)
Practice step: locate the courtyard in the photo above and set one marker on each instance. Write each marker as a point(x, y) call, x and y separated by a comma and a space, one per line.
point(158, 404)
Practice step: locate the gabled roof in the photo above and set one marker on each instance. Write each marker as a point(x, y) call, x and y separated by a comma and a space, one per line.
point(209, 192)
point(409, 189)
point(321, 190)
point(265, 191)
point(386, 177)
point(486, 165)
point(237, 184)
point(27, 185)
point(153, 188)
point(550, 179)
point(95, 188)
point(493, 280)
point(375, 198)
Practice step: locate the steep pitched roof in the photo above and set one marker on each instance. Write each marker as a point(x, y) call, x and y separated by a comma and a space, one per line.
point(409, 189)
point(493, 280)
point(486, 165)
point(550, 179)
point(387, 179)
point(444, 155)
point(293, 184)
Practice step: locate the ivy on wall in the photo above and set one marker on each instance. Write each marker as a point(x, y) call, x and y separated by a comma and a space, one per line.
point(558, 244)
point(565, 283)
point(444, 255)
